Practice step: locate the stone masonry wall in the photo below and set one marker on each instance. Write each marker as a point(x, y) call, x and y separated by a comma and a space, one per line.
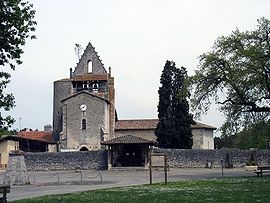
point(66, 160)
point(177, 158)
point(198, 158)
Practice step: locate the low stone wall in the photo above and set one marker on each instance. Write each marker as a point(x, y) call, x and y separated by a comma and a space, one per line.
point(177, 158)
point(198, 158)
point(66, 160)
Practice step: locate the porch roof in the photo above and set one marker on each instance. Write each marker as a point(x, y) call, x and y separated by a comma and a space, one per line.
point(129, 139)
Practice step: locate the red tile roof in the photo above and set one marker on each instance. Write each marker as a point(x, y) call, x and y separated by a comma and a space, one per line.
point(36, 135)
point(129, 139)
point(149, 124)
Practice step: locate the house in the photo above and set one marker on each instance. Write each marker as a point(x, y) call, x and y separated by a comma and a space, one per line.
point(27, 141)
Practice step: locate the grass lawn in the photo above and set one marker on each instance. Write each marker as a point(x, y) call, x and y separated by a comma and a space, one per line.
point(247, 189)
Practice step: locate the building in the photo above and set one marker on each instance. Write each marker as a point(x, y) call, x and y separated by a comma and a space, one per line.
point(145, 128)
point(84, 116)
point(27, 141)
point(83, 105)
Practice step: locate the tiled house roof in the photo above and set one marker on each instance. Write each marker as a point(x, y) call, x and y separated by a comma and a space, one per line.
point(128, 139)
point(36, 135)
point(149, 124)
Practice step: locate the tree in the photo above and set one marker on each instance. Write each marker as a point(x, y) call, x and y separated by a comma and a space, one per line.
point(16, 25)
point(78, 50)
point(254, 136)
point(236, 75)
point(174, 126)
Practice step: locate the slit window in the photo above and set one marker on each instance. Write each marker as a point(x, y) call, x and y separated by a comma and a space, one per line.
point(83, 124)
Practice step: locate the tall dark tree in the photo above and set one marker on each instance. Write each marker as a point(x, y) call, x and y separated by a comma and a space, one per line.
point(174, 126)
point(16, 25)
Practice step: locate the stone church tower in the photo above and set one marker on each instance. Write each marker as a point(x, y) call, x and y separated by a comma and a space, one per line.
point(84, 105)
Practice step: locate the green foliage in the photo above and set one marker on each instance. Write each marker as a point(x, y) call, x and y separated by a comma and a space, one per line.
point(249, 189)
point(4, 132)
point(236, 75)
point(174, 126)
point(16, 25)
point(253, 136)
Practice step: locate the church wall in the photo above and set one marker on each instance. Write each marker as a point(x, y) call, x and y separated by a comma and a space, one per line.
point(208, 141)
point(202, 138)
point(95, 119)
point(145, 134)
point(197, 139)
point(62, 89)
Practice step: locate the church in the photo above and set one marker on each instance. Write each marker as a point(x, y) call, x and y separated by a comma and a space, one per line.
point(85, 118)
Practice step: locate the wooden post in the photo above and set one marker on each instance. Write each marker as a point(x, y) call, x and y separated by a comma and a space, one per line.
point(165, 168)
point(150, 168)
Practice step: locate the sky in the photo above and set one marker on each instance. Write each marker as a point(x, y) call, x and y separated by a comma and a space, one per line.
point(133, 37)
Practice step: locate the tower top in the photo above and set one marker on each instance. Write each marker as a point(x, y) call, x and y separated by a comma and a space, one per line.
point(89, 63)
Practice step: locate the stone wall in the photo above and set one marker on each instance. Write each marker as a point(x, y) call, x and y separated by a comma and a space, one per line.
point(96, 117)
point(66, 160)
point(177, 158)
point(198, 158)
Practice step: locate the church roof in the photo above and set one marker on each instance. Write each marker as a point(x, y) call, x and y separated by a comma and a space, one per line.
point(150, 124)
point(128, 139)
point(88, 93)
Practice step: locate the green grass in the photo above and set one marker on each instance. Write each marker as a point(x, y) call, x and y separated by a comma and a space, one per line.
point(248, 189)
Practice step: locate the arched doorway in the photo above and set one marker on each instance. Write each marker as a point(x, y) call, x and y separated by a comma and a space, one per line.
point(84, 149)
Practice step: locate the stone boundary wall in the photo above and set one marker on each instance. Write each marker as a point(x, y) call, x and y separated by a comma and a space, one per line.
point(177, 158)
point(199, 158)
point(51, 161)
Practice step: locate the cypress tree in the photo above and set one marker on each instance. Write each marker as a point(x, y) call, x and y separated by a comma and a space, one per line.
point(174, 126)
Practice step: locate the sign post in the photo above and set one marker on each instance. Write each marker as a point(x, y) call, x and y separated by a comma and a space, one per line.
point(158, 161)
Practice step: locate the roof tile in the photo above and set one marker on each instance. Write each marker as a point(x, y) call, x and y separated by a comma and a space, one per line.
point(128, 139)
point(36, 135)
point(149, 124)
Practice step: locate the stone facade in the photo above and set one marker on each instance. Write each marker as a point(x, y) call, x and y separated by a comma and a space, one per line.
point(95, 115)
point(16, 173)
point(66, 160)
point(98, 159)
point(199, 158)
point(83, 107)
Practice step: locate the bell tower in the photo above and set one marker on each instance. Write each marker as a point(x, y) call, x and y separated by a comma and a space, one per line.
point(89, 76)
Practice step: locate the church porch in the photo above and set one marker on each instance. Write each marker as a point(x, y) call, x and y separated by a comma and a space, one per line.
point(128, 151)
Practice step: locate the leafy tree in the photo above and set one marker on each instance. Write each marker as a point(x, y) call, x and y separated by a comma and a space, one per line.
point(16, 25)
point(254, 136)
point(236, 75)
point(174, 126)
point(4, 132)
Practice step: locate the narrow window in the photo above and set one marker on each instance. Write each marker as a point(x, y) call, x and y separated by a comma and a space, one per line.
point(90, 67)
point(83, 124)
point(95, 87)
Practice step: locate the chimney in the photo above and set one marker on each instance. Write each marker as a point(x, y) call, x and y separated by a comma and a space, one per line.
point(48, 128)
